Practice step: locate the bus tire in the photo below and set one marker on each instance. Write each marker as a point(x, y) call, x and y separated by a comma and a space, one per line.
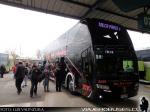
point(70, 85)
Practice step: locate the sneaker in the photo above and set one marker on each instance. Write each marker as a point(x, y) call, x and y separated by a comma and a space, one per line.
point(18, 92)
point(35, 94)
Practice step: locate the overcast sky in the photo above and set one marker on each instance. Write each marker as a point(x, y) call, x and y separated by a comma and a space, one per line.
point(140, 40)
point(25, 31)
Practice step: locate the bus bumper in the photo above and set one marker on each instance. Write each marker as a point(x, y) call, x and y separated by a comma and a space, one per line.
point(115, 94)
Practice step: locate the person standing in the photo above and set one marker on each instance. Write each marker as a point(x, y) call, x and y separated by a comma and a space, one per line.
point(19, 76)
point(2, 70)
point(35, 75)
point(60, 74)
point(26, 75)
point(46, 74)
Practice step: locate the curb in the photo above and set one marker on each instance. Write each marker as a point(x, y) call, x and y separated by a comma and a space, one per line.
point(144, 82)
point(148, 87)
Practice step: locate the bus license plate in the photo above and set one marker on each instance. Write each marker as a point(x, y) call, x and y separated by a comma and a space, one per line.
point(124, 96)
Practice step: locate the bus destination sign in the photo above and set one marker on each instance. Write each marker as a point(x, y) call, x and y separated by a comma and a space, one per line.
point(109, 26)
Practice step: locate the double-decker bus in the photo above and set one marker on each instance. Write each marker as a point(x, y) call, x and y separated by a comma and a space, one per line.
point(100, 59)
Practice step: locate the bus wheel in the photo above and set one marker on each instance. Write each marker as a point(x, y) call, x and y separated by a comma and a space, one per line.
point(71, 86)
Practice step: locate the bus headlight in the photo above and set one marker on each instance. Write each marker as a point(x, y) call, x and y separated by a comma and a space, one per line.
point(100, 96)
point(102, 86)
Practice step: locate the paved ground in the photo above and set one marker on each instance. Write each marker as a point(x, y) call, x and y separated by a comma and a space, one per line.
point(8, 92)
point(9, 97)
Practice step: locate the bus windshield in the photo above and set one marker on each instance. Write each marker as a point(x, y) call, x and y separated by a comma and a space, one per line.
point(105, 66)
point(109, 66)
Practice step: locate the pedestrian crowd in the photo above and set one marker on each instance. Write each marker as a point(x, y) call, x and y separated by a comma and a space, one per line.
point(37, 73)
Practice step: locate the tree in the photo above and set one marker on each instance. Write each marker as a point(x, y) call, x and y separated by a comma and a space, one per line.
point(39, 54)
point(13, 55)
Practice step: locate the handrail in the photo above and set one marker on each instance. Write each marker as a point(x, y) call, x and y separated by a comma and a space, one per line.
point(85, 50)
point(67, 66)
point(74, 66)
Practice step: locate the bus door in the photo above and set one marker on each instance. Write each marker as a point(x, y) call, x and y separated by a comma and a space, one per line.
point(86, 64)
point(87, 72)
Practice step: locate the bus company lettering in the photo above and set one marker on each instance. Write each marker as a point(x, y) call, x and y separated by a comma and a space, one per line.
point(109, 26)
point(102, 81)
point(86, 89)
point(59, 53)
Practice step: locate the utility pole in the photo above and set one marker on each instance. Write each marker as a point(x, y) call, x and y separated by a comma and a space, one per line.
point(20, 50)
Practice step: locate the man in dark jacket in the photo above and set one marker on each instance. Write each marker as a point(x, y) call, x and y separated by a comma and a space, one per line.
point(144, 105)
point(19, 76)
point(2, 70)
point(60, 74)
point(35, 75)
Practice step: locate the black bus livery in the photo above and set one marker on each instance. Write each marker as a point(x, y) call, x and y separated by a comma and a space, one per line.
point(100, 59)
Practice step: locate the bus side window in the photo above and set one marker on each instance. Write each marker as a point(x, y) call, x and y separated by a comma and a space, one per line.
point(86, 67)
